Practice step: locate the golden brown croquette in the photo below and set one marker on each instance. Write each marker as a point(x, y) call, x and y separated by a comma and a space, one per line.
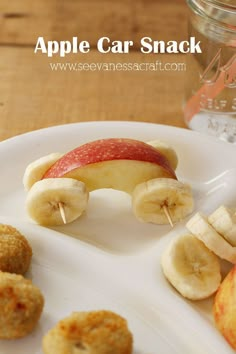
point(21, 304)
point(8, 229)
point(15, 251)
point(95, 332)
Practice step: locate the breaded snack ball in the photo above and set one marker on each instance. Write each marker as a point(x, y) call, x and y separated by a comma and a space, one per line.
point(15, 251)
point(21, 304)
point(96, 332)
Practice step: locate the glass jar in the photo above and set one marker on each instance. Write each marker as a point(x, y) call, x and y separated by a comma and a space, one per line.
point(210, 100)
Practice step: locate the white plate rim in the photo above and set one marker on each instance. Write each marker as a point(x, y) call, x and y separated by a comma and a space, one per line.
point(43, 134)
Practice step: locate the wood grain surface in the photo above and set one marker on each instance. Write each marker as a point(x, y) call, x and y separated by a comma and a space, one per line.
point(22, 21)
point(33, 96)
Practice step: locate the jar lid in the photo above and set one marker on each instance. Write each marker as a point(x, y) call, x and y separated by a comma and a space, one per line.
point(223, 11)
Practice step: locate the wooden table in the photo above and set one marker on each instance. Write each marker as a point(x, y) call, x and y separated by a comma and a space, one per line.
point(33, 96)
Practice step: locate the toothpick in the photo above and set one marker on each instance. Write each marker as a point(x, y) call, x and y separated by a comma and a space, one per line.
point(62, 211)
point(166, 211)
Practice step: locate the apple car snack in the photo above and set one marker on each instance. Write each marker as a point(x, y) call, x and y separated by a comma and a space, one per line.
point(121, 164)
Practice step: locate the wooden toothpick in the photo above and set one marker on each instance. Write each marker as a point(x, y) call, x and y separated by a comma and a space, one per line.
point(166, 211)
point(62, 212)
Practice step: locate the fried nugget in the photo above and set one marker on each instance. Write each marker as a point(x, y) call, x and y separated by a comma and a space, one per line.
point(21, 304)
point(95, 332)
point(15, 251)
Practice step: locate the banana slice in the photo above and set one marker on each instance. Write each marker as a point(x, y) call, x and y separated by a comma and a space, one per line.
point(191, 267)
point(162, 201)
point(200, 227)
point(36, 169)
point(167, 151)
point(54, 201)
point(224, 222)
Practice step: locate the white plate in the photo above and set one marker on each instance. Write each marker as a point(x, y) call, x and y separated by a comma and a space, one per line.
point(107, 259)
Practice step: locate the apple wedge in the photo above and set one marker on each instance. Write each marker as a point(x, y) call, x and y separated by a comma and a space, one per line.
point(224, 308)
point(112, 163)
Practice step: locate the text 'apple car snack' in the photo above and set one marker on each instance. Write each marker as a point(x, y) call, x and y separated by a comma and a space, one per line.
point(58, 185)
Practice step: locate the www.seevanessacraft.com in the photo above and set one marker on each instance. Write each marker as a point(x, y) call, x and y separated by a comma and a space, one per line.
point(148, 66)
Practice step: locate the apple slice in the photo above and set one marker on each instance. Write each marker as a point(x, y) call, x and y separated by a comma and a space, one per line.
point(224, 308)
point(112, 163)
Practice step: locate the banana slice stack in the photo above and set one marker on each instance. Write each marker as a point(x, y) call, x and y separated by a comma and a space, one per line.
point(191, 263)
point(56, 201)
point(217, 232)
